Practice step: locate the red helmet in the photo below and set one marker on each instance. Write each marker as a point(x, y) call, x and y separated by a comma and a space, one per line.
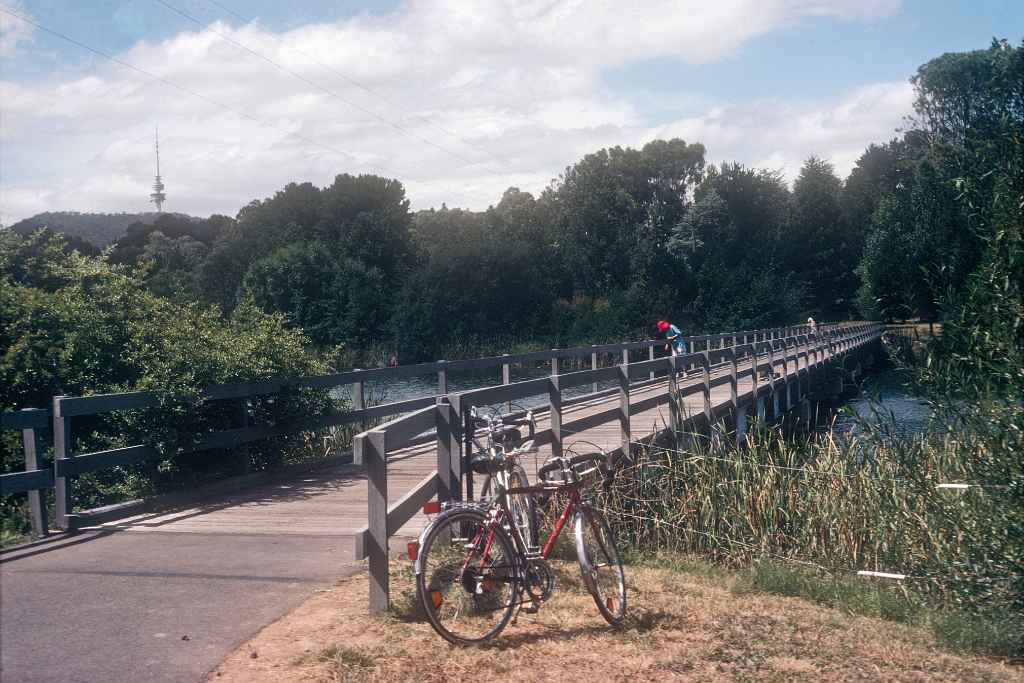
point(662, 325)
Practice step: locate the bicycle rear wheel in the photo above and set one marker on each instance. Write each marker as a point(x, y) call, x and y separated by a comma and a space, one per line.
point(600, 564)
point(521, 505)
point(468, 585)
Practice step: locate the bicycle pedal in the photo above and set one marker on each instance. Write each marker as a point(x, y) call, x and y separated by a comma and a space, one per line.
point(532, 608)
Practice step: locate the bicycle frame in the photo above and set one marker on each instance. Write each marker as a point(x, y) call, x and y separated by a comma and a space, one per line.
point(517, 538)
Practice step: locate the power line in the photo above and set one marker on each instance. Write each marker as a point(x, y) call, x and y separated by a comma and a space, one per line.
point(191, 92)
point(358, 84)
point(328, 91)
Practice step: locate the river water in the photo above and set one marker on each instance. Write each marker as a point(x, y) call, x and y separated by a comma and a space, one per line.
point(407, 388)
point(884, 401)
point(883, 398)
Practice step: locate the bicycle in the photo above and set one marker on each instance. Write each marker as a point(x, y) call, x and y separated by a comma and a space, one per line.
point(473, 566)
point(504, 440)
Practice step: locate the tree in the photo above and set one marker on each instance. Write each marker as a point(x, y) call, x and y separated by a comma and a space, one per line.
point(333, 298)
point(818, 243)
point(728, 245)
point(616, 210)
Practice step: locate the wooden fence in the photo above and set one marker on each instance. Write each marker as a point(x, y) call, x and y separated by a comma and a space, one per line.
point(449, 417)
point(66, 411)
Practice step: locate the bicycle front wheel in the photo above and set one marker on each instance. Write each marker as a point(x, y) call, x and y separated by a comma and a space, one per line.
point(467, 586)
point(600, 564)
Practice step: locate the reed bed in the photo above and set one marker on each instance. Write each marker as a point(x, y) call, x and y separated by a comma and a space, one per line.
point(837, 506)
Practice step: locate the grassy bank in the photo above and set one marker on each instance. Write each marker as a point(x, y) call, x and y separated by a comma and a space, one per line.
point(687, 621)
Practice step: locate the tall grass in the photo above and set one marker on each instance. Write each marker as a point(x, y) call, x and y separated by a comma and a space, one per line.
point(834, 506)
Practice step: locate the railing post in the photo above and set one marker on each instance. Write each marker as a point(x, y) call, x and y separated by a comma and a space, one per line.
point(506, 377)
point(673, 393)
point(466, 449)
point(375, 450)
point(242, 421)
point(448, 479)
point(455, 446)
point(707, 386)
point(359, 401)
point(63, 449)
point(36, 499)
point(624, 413)
point(442, 378)
point(593, 366)
point(733, 380)
point(753, 374)
point(650, 356)
point(555, 414)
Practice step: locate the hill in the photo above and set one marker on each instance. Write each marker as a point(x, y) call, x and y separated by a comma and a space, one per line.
point(99, 229)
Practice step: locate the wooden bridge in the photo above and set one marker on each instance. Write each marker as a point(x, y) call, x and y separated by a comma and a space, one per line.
point(724, 380)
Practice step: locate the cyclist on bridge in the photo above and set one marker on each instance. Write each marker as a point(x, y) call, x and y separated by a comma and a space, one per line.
point(673, 336)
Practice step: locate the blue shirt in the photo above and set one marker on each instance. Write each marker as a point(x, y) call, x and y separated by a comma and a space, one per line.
point(677, 343)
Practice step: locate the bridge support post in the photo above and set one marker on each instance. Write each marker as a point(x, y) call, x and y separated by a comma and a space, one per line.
point(805, 411)
point(650, 356)
point(593, 366)
point(375, 450)
point(741, 426)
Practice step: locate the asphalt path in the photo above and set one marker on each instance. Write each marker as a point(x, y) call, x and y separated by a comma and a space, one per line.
point(106, 606)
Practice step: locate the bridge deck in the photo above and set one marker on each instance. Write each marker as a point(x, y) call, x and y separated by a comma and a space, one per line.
point(333, 501)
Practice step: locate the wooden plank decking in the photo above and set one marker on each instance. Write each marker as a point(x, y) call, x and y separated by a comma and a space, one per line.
point(333, 502)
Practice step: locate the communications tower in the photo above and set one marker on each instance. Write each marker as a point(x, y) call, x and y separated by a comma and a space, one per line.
point(158, 196)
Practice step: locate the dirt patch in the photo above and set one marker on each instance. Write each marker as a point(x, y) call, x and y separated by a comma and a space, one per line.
point(679, 626)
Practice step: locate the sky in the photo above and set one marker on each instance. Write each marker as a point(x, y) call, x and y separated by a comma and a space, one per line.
point(459, 99)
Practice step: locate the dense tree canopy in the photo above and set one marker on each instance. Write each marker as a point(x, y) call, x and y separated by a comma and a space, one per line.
point(624, 236)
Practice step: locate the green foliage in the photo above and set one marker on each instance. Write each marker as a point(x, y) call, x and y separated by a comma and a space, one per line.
point(330, 298)
point(949, 228)
point(79, 327)
point(818, 249)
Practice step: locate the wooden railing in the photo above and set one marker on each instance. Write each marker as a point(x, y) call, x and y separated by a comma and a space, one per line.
point(69, 463)
point(450, 417)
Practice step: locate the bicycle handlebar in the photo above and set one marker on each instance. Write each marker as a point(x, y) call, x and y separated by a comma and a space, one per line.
point(495, 423)
point(561, 464)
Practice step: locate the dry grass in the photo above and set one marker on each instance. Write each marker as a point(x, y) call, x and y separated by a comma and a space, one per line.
point(681, 626)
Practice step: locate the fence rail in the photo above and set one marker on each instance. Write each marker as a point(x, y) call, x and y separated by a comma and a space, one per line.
point(450, 418)
point(44, 429)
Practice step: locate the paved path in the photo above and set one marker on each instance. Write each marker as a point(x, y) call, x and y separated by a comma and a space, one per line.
point(165, 597)
point(159, 606)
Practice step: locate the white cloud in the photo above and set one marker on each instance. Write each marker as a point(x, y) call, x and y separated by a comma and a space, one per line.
point(780, 135)
point(12, 31)
point(510, 90)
